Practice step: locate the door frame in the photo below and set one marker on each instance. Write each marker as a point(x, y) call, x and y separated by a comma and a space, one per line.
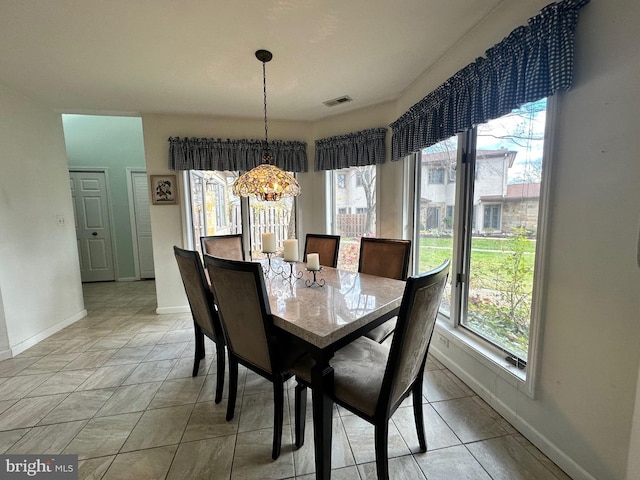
point(112, 227)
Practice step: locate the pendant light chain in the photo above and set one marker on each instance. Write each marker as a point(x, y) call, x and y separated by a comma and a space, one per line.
point(266, 182)
point(267, 156)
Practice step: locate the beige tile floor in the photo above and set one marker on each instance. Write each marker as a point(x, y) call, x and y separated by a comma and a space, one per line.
point(115, 388)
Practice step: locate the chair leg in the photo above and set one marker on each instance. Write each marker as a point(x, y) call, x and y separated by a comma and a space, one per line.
point(382, 457)
point(220, 353)
point(278, 407)
point(419, 415)
point(233, 386)
point(301, 412)
point(199, 354)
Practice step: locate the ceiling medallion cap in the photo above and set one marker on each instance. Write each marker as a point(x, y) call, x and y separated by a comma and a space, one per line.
point(264, 55)
point(266, 183)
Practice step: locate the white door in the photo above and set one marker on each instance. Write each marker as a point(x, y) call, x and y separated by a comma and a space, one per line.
point(141, 223)
point(93, 227)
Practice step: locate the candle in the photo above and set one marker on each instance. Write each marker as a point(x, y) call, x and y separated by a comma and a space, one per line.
point(313, 261)
point(291, 250)
point(268, 242)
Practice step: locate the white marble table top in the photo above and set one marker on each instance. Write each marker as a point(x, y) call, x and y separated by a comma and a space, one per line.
point(322, 315)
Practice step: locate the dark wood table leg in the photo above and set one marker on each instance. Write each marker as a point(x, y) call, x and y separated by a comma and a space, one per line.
point(322, 382)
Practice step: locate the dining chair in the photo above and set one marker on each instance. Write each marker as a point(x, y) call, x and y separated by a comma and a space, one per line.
point(371, 380)
point(384, 257)
point(205, 317)
point(252, 340)
point(326, 246)
point(223, 246)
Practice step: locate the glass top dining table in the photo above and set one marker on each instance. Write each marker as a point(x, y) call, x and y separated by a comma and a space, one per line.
point(326, 310)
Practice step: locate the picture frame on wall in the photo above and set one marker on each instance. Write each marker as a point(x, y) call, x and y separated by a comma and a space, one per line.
point(164, 190)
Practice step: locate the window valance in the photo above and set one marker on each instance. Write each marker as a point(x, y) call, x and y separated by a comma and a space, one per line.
point(531, 63)
point(234, 155)
point(357, 149)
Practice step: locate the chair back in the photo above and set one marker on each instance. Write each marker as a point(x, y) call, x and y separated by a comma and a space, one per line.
point(326, 246)
point(416, 321)
point(384, 257)
point(242, 301)
point(198, 292)
point(223, 246)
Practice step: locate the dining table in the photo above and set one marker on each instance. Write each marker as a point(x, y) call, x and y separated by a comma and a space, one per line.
point(325, 310)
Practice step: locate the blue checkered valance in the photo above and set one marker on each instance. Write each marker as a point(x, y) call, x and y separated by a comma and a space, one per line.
point(357, 149)
point(531, 63)
point(234, 155)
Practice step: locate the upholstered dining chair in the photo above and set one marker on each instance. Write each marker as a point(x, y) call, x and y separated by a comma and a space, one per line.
point(384, 257)
point(223, 246)
point(371, 380)
point(252, 340)
point(326, 246)
point(205, 317)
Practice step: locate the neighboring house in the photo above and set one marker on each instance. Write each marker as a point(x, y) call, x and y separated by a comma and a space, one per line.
point(497, 207)
point(518, 208)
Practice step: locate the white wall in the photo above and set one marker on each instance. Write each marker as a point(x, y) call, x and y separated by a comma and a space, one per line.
point(39, 270)
point(590, 359)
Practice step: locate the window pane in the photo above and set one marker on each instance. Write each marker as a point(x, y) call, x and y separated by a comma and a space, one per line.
point(214, 208)
point(354, 191)
point(506, 197)
point(434, 240)
point(276, 217)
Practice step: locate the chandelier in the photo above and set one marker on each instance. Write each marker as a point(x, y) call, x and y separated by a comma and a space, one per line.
point(266, 182)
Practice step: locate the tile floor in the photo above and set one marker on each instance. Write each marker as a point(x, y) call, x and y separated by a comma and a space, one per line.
point(115, 388)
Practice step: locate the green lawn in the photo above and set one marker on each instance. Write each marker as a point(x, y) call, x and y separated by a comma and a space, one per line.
point(500, 286)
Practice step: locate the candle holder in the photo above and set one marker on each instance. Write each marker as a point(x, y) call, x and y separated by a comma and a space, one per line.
point(269, 269)
point(315, 281)
point(292, 277)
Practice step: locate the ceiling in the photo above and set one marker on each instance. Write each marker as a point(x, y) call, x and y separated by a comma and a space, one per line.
point(197, 56)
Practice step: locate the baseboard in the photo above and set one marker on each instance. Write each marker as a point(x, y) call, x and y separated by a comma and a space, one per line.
point(169, 310)
point(128, 279)
point(551, 450)
point(30, 342)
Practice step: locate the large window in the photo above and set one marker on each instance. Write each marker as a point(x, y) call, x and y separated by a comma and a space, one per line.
point(214, 208)
point(487, 223)
point(216, 211)
point(354, 190)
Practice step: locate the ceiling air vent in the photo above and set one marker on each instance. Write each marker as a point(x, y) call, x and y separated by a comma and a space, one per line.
point(338, 101)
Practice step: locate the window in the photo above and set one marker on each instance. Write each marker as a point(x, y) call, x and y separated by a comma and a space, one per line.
point(499, 179)
point(214, 208)
point(220, 204)
point(359, 196)
point(433, 218)
point(216, 211)
point(341, 183)
point(452, 173)
point(436, 176)
point(448, 219)
point(491, 218)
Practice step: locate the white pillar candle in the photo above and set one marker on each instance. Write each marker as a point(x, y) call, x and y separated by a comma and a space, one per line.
point(268, 242)
point(313, 261)
point(291, 250)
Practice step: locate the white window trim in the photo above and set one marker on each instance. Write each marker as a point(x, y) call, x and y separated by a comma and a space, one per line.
point(480, 350)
